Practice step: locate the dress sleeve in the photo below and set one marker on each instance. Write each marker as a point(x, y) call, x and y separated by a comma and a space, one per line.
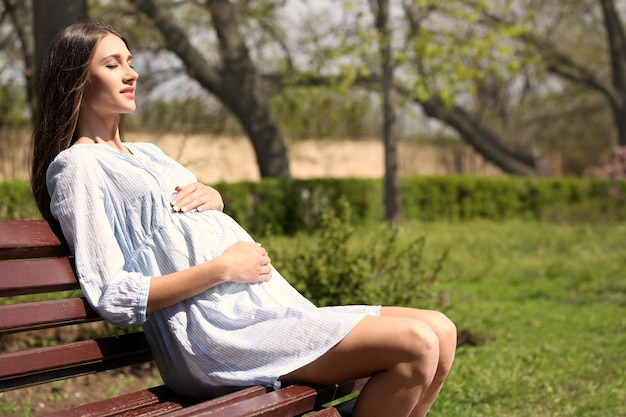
point(81, 204)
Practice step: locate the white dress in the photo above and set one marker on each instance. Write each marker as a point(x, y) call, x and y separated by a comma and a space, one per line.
point(114, 211)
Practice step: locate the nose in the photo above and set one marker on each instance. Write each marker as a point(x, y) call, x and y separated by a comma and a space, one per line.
point(131, 75)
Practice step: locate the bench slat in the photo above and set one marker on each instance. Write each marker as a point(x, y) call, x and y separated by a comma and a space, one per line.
point(289, 401)
point(21, 239)
point(51, 363)
point(146, 403)
point(31, 277)
point(152, 410)
point(43, 314)
point(148, 399)
point(327, 412)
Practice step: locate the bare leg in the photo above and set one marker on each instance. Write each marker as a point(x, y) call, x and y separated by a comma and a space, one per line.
point(447, 335)
point(400, 353)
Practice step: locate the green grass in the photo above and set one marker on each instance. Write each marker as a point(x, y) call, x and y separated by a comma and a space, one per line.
point(550, 302)
point(546, 302)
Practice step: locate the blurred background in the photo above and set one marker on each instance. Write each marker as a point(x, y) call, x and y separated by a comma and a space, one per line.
point(526, 87)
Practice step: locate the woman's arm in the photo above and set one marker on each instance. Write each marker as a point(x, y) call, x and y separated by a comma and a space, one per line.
point(241, 262)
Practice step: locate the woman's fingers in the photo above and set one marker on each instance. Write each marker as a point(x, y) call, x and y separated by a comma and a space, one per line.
point(196, 196)
point(247, 262)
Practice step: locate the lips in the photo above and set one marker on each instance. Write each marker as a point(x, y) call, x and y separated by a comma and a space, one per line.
point(129, 91)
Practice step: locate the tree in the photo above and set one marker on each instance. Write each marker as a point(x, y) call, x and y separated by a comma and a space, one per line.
point(563, 64)
point(393, 203)
point(21, 17)
point(578, 59)
point(35, 23)
point(236, 82)
point(441, 57)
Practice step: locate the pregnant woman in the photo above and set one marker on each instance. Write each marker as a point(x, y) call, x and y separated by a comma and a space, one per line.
point(153, 248)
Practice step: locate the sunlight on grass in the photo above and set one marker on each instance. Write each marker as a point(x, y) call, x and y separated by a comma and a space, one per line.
point(551, 298)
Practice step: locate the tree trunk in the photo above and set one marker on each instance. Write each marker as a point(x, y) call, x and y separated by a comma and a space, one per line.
point(21, 13)
point(236, 84)
point(48, 18)
point(393, 197)
point(617, 50)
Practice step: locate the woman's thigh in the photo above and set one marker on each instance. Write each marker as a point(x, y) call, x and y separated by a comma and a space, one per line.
point(438, 321)
point(440, 324)
point(375, 344)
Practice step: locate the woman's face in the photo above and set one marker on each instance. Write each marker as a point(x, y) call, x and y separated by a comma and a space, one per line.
point(110, 88)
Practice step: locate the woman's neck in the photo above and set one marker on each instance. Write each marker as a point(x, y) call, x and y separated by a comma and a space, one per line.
point(92, 130)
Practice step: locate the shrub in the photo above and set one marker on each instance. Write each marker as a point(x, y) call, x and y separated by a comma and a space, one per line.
point(336, 270)
point(17, 201)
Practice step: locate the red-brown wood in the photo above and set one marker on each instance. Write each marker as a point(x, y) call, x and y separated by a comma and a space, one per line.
point(327, 412)
point(43, 314)
point(21, 239)
point(160, 409)
point(30, 366)
point(36, 276)
point(286, 402)
point(219, 402)
point(149, 400)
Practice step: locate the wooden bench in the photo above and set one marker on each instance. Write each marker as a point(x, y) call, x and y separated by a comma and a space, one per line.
point(33, 261)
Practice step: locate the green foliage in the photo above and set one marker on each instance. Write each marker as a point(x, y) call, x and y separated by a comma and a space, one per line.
point(13, 107)
point(188, 116)
point(336, 269)
point(17, 201)
point(288, 206)
point(499, 198)
point(323, 112)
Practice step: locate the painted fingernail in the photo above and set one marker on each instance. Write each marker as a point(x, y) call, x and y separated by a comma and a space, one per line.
point(175, 207)
point(183, 209)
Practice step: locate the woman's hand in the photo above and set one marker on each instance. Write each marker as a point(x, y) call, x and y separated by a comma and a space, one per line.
point(196, 196)
point(246, 262)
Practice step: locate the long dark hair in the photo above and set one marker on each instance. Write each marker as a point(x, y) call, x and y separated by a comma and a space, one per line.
point(63, 77)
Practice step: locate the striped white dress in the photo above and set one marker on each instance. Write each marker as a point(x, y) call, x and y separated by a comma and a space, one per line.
point(115, 214)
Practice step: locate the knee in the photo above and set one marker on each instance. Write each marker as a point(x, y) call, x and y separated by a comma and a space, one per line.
point(421, 352)
point(445, 330)
point(423, 342)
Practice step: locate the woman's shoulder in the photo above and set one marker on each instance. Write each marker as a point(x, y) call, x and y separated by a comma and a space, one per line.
point(76, 155)
point(144, 147)
point(77, 164)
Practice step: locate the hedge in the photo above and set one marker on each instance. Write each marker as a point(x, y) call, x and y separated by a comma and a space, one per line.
point(287, 206)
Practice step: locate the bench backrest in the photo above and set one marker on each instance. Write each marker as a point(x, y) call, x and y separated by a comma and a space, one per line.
point(34, 261)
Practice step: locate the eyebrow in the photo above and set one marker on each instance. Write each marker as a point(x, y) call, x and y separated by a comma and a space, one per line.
point(116, 56)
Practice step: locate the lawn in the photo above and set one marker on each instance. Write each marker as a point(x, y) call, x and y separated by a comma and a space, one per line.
point(546, 303)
